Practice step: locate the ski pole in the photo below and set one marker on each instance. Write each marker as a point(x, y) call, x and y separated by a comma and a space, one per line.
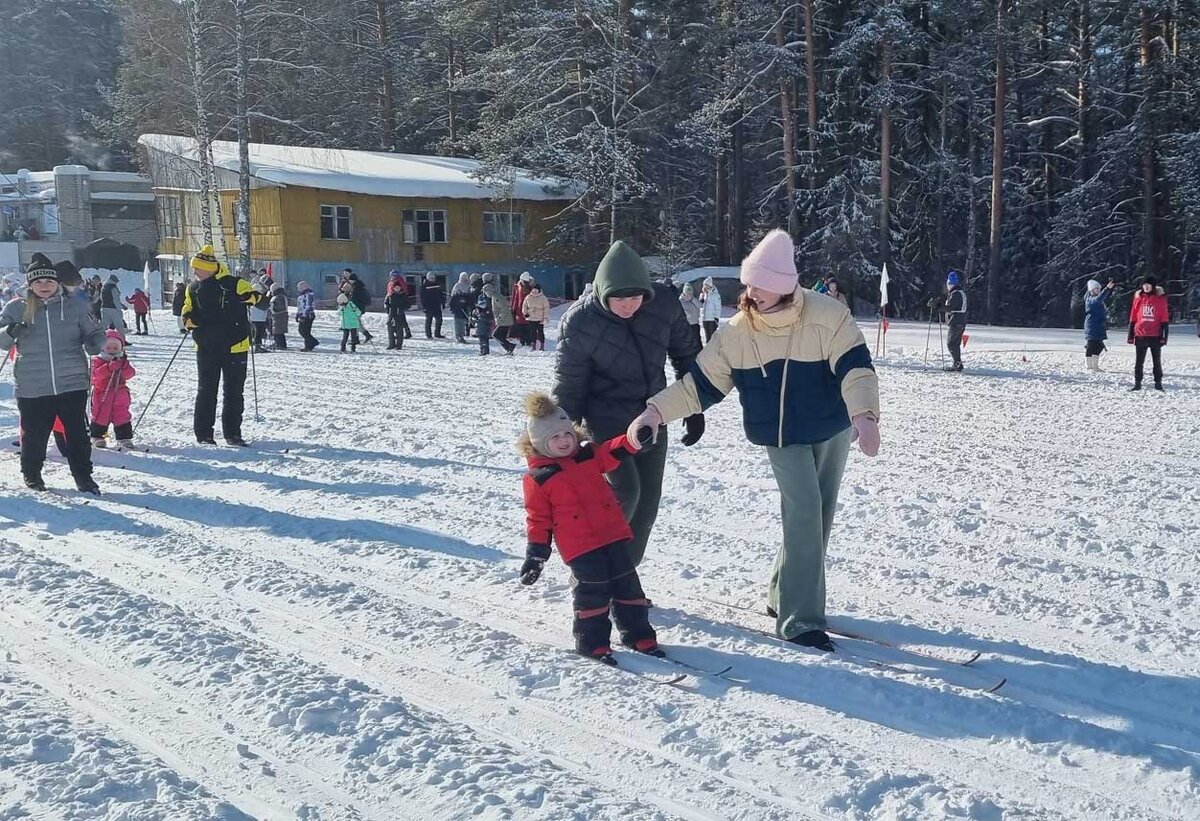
point(941, 346)
point(254, 381)
point(108, 392)
point(928, 332)
point(154, 393)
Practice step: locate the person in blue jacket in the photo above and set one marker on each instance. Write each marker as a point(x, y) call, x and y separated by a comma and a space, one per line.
point(1095, 321)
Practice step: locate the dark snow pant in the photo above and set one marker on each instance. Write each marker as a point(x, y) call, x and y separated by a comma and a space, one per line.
point(637, 484)
point(606, 582)
point(710, 328)
point(120, 432)
point(699, 336)
point(395, 335)
point(501, 336)
point(521, 331)
point(1094, 347)
point(954, 342)
point(433, 324)
point(305, 326)
point(809, 478)
point(213, 368)
point(1141, 345)
point(350, 335)
point(37, 422)
point(141, 323)
point(281, 342)
point(260, 333)
point(537, 335)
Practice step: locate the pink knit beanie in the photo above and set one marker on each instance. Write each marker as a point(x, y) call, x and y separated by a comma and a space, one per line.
point(772, 264)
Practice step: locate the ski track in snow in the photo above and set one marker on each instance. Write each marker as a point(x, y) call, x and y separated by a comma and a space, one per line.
point(328, 625)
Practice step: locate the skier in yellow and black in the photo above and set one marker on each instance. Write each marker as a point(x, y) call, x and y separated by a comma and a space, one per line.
point(214, 310)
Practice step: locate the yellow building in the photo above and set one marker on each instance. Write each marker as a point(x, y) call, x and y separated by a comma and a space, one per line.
point(317, 211)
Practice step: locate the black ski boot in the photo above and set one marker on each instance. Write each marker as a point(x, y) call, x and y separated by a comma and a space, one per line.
point(87, 484)
point(816, 639)
point(205, 440)
point(1158, 385)
point(236, 442)
point(33, 481)
point(1137, 386)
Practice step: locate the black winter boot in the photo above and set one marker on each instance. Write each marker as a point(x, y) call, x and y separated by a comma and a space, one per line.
point(87, 484)
point(33, 480)
point(816, 639)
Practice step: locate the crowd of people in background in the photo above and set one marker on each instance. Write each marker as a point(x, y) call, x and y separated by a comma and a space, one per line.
point(231, 317)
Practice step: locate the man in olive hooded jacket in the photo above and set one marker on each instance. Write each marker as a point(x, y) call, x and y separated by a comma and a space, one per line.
point(612, 347)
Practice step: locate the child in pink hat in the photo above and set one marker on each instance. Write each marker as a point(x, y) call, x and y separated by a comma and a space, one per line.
point(111, 401)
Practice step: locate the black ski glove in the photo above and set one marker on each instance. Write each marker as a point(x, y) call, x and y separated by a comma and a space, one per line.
point(694, 425)
point(1130, 338)
point(15, 330)
point(531, 569)
point(1164, 334)
point(536, 555)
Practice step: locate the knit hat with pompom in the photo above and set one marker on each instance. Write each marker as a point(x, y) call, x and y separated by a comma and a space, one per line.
point(546, 419)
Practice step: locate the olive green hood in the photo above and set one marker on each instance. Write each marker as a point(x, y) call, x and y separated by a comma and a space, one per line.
point(620, 269)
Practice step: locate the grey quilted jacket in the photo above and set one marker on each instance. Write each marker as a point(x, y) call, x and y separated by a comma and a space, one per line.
point(50, 352)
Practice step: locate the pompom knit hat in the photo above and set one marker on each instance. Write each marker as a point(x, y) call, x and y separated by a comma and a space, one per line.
point(206, 260)
point(771, 266)
point(546, 419)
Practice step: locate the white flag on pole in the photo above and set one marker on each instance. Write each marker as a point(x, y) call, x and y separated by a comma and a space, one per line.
point(883, 286)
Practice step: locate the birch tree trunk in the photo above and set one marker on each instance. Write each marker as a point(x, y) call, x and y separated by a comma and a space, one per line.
point(995, 232)
point(203, 138)
point(242, 221)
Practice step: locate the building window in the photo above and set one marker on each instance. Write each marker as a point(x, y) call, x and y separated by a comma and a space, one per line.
point(422, 226)
point(139, 211)
point(169, 221)
point(335, 222)
point(503, 226)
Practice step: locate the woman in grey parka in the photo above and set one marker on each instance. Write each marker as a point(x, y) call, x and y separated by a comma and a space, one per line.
point(50, 332)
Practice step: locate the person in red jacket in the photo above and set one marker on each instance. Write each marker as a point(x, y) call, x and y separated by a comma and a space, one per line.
point(568, 500)
point(1149, 318)
point(140, 302)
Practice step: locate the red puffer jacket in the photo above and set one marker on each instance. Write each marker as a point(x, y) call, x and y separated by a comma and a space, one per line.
point(570, 501)
point(1149, 314)
point(140, 302)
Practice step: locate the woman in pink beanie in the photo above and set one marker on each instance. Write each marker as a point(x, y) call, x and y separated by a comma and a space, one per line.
point(808, 389)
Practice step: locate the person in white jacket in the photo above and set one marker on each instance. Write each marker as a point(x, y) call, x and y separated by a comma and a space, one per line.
point(711, 298)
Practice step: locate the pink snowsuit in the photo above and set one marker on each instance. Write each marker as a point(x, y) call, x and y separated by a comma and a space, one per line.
point(110, 396)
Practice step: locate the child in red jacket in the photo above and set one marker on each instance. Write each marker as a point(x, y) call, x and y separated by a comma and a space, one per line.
point(140, 302)
point(110, 395)
point(568, 499)
point(1149, 319)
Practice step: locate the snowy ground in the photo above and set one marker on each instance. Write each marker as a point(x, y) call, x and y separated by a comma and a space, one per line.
point(329, 626)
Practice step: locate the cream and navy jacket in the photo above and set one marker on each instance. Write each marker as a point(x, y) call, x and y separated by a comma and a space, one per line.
point(801, 373)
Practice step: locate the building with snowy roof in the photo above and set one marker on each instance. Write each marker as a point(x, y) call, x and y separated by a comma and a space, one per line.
point(58, 213)
point(317, 211)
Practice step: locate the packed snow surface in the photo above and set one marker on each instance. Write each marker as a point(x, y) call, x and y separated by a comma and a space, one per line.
point(329, 625)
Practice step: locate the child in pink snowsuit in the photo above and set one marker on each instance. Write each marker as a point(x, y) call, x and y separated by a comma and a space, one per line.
point(110, 395)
